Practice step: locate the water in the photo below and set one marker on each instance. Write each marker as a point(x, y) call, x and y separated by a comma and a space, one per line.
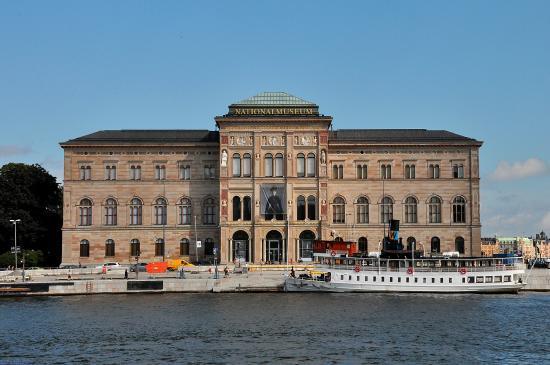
point(276, 328)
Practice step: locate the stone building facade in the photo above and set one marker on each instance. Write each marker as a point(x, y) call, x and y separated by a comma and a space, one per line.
point(273, 178)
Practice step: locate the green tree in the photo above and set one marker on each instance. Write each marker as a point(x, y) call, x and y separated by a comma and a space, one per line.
point(30, 193)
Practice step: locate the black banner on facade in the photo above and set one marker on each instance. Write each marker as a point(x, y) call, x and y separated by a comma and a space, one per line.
point(273, 201)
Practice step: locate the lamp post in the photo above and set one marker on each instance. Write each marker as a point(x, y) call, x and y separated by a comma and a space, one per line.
point(196, 242)
point(15, 221)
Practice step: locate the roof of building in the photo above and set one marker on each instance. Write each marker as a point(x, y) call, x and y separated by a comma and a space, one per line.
point(146, 136)
point(274, 98)
point(397, 135)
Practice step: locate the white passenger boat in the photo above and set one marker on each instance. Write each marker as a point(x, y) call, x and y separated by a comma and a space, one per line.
point(419, 275)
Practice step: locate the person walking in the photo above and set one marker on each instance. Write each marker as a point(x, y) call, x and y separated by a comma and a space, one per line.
point(292, 273)
point(126, 274)
point(226, 272)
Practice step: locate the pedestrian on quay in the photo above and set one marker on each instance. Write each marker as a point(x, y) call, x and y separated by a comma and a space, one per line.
point(226, 272)
point(126, 274)
point(292, 273)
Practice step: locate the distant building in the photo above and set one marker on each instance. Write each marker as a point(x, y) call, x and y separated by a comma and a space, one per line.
point(274, 177)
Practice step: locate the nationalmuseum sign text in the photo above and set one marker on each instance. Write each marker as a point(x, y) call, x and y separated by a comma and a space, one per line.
point(273, 111)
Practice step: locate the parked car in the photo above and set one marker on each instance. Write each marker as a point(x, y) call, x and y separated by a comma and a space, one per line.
point(68, 266)
point(111, 266)
point(542, 262)
point(138, 267)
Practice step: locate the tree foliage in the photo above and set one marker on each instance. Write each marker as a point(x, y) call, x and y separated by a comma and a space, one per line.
point(30, 193)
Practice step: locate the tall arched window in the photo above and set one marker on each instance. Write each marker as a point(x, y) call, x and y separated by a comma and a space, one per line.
point(386, 210)
point(159, 247)
point(311, 208)
point(411, 241)
point(459, 210)
point(279, 169)
point(410, 171)
point(85, 212)
point(209, 211)
point(362, 171)
point(84, 248)
point(459, 245)
point(385, 171)
point(247, 208)
point(301, 208)
point(160, 211)
point(268, 165)
point(109, 248)
point(135, 249)
point(247, 165)
point(185, 211)
point(236, 208)
point(310, 166)
point(110, 212)
point(338, 210)
point(435, 245)
point(434, 210)
point(184, 247)
point(209, 247)
point(300, 165)
point(433, 171)
point(362, 210)
point(136, 210)
point(236, 165)
point(363, 244)
point(410, 210)
point(306, 245)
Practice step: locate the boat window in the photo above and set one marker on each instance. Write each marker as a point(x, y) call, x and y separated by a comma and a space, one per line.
point(498, 279)
point(463, 280)
point(349, 277)
point(383, 279)
point(366, 278)
point(341, 277)
point(507, 278)
point(374, 278)
point(471, 279)
point(424, 280)
point(479, 279)
point(391, 279)
point(416, 280)
point(488, 279)
point(450, 280)
point(398, 280)
point(441, 280)
point(407, 280)
point(433, 280)
point(358, 278)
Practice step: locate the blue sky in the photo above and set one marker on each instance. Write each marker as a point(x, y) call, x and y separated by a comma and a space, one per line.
point(478, 68)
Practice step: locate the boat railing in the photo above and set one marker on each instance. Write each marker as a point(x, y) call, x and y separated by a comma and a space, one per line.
point(426, 269)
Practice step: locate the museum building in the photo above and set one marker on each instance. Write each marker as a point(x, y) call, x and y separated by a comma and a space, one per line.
point(273, 178)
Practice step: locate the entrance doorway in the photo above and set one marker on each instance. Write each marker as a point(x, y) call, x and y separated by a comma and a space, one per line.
point(306, 245)
point(274, 247)
point(241, 251)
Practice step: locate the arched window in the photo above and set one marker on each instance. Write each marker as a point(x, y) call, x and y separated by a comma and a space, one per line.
point(433, 171)
point(436, 245)
point(84, 248)
point(306, 245)
point(362, 172)
point(434, 210)
point(85, 172)
point(363, 245)
point(136, 210)
point(236, 165)
point(410, 210)
point(268, 165)
point(459, 245)
point(338, 239)
point(160, 211)
point(209, 247)
point(110, 212)
point(109, 248)
point(301, 165)
point(160, 172)
point(385, 171)
point(209, 211)
point(362, 210)
point(85, 212)
point(279, 171)
point(338, 210)
point(135, 172)
point(410, 171)
point(247, 208)
point(310, 168)
point(159, 247)
point(185, 211)
point(386, 210)
point(247, 165)
point(459, 210)
point(185, 172)
point(410, 242)
point(236, 208)
point(301, 208)
point(184, 247)
point(311, 208)
point(135, 247)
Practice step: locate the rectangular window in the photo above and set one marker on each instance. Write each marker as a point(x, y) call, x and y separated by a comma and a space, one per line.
point(366, 278)
point(85, 173)
point(471, 279)
point(209, 172)
point(160, 172)
point(358, 278)
point(374, 278)
point(300, 166)
point(391, 279)
point(507, 278)
point(407, 280)
point(341, 277)
point(279, 165)
point(479, 279)
point(185, 172)
point(349, 277)
point(498, 279)
point(135, 172)
point(458, 171)
point(382, 279)
point(398, 280)
point(450, 280)
point(488, 279)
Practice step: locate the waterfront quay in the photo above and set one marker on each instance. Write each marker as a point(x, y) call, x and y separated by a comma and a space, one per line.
point(204, 280)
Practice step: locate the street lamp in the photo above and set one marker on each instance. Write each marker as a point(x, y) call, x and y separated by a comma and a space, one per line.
point(15, 221)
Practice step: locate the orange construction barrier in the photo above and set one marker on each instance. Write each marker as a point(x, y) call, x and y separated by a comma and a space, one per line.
point(156, 267)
